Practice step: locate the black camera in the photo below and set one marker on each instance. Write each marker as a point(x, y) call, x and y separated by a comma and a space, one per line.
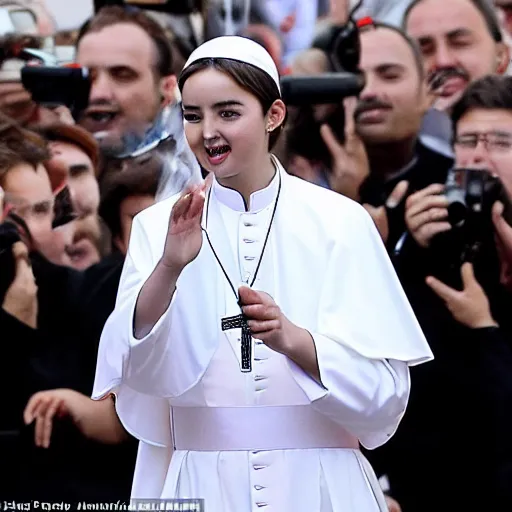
point(9, 235)
point(471, 194)
point(317, 99)
point(342, 47)
point(53, 86)
point(53, 81)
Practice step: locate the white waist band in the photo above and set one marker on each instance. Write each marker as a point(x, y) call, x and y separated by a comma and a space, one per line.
point(256, 428)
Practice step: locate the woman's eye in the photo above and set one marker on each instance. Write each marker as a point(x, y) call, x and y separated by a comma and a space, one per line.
point(191, 118)
point(228, 114)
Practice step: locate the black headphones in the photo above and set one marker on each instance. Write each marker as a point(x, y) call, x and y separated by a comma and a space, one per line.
point(341, 44)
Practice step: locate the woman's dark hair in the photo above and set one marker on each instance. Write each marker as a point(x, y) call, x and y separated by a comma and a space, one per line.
point(249, 77)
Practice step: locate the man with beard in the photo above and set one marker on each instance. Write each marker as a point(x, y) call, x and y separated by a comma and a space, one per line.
point(379, 159)
point(460, 42)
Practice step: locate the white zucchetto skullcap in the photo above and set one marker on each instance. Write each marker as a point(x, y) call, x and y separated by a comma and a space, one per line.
point(236, 48)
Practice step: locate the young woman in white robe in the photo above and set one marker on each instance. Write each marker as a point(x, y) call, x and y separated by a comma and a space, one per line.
point(333, 335)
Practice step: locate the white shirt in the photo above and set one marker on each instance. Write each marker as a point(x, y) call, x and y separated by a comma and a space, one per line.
point(250, 226)
point(327, 269)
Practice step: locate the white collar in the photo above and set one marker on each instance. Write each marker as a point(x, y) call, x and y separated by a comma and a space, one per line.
point(259, 200)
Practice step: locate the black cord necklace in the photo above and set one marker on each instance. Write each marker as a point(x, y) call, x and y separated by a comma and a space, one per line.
point(240, 321)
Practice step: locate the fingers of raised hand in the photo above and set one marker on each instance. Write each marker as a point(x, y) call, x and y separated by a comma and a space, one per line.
point(196, 204)
point(443, 291)
point(502, 227)
point(397, 195)
point(468, 276)
point(181, 206)
point(333, 145)
point(349, 106)
point(427, 202)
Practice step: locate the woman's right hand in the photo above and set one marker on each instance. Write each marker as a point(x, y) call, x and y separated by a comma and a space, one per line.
point(184, 236)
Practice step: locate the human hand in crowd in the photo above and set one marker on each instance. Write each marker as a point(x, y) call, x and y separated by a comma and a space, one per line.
point(426, 214)
point(393, 505)
point(16, 102)
point(59, 114)
point(504, 244)
point(95, 419)
point(436, 82)
point(184, 235)
point(470, 306)
point(20, 300)
point(379, 214)
point(44, 406)
point(350, 166)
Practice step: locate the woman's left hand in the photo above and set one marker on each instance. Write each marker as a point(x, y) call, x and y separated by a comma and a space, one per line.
point(268, 324)
point(266, 321)
point(470, 306)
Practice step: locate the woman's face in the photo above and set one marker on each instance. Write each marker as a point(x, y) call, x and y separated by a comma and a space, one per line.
point(224, 124)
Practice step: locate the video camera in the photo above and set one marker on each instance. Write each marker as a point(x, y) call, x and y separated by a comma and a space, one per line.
point(341, 45)
point(317, 99)
point(45, 70)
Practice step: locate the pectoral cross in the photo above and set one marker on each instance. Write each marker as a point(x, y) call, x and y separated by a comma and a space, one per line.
point(240, 322)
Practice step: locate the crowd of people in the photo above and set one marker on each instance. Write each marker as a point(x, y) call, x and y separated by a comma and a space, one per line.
point(425, 148)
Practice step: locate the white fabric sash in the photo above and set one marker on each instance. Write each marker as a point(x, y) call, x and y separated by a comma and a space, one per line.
point(256, 428)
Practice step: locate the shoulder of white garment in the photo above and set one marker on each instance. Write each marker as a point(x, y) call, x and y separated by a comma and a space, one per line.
point(330, 209)
point(359, 276)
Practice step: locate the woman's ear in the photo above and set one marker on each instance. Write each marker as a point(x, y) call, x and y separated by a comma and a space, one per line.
point(275, 115)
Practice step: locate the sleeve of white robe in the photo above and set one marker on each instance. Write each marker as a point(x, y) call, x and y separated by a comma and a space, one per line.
point(366, 338)
point(148, 365)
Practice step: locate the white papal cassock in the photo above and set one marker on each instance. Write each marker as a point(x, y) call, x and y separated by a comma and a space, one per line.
point(272, 440)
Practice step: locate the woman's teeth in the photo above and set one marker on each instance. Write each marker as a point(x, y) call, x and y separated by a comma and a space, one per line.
point(216, 151)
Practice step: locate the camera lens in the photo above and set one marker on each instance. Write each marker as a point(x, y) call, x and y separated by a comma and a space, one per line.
point(457, 213)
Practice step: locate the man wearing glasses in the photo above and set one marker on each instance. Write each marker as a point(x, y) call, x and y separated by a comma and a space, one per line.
point(453, 450)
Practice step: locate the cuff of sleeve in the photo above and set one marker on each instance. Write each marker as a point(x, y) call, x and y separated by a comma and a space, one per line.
point(161, 324)
point(310, 386)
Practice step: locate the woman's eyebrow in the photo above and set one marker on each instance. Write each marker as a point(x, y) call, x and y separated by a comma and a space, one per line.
point(219, 104)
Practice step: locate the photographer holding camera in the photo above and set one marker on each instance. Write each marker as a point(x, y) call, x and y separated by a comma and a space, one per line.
point(452, 451)
point(369, 148)
point(51, 318)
